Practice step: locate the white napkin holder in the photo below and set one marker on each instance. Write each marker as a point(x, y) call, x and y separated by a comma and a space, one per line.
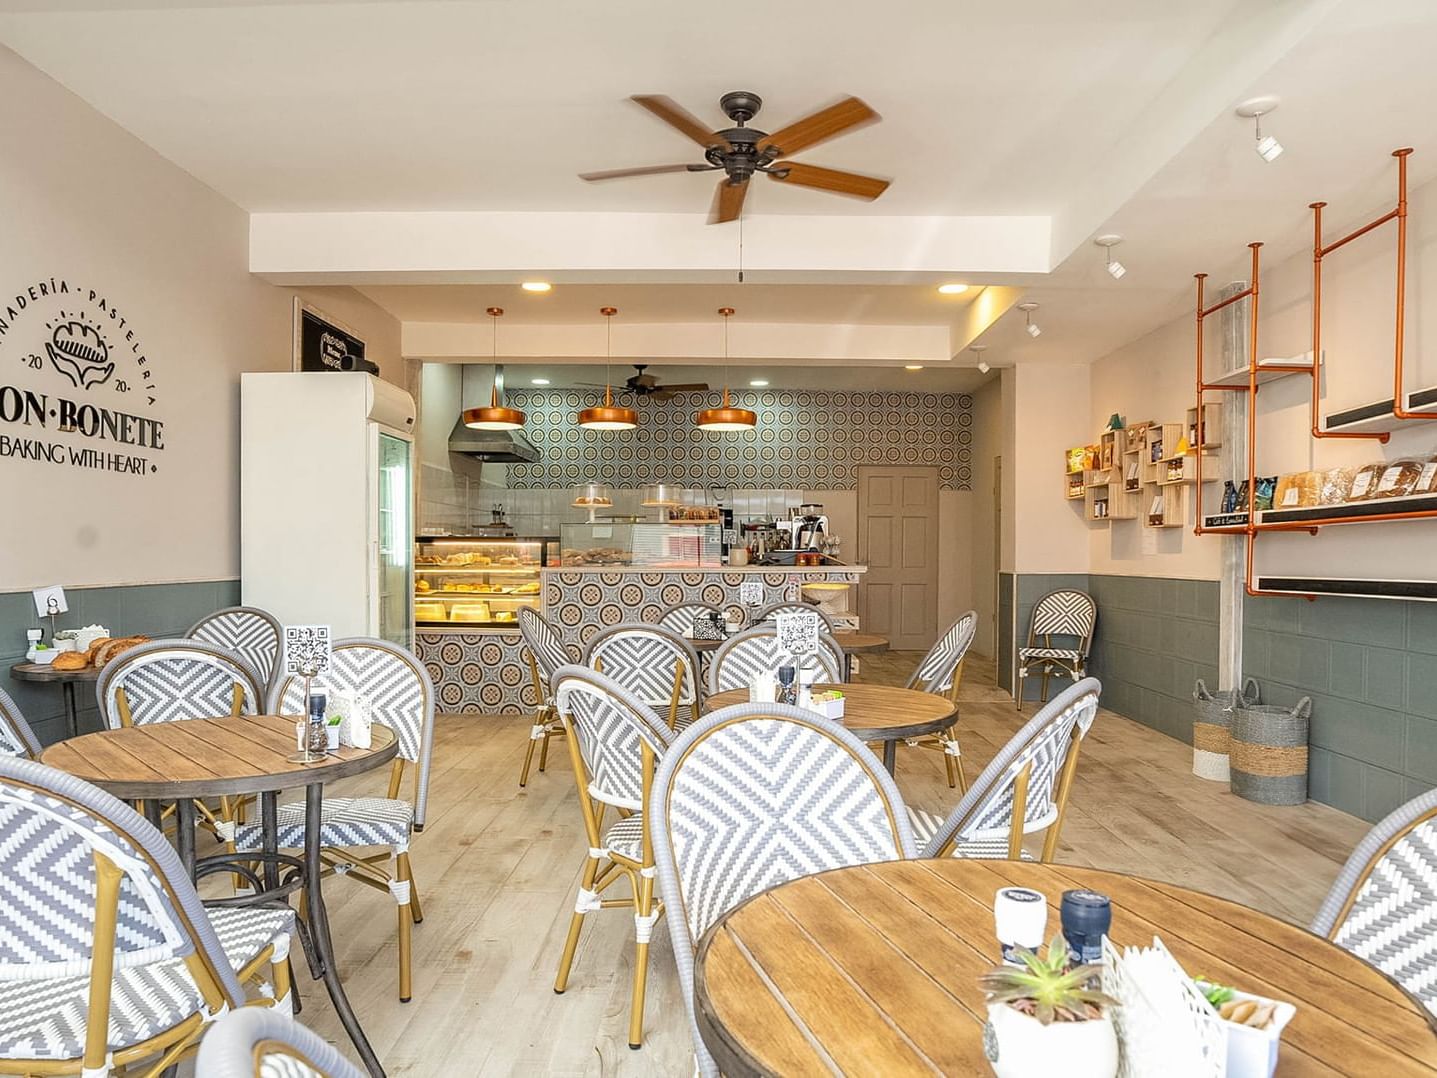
point(356, 729)
point(1165, 1025)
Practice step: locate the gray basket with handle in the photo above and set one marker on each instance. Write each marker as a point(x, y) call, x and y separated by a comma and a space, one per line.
point(1269, 752)
point(1212, 726)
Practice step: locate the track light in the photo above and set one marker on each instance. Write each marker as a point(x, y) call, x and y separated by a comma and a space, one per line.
point(1032, 327)
point(1267, 147)
point(1115, 269)
point(978, 350)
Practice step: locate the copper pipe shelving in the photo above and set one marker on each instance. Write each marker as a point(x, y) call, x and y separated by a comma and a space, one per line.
point(1312, 526)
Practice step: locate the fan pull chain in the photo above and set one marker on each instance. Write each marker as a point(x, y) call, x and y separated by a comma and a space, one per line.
point(740, 252)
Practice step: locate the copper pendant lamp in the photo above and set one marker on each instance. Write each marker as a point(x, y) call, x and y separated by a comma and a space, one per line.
point(608, 416)
point(726, 416)
point(496, 416)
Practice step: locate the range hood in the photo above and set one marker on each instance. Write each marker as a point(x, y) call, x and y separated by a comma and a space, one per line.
point(498, 446)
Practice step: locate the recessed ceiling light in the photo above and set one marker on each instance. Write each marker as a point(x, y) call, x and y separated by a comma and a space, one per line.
point(912, 366)
point(758, 383)
point(536, 286)
point(541, 381)
point(952, 289)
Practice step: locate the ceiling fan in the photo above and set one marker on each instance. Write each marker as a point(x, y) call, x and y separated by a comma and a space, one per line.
point(741, 151)
point(647, 385)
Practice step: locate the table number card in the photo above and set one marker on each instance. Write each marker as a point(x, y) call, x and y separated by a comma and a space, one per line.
point(306, 649)
point(797, 633)
point(50, 601)
point(750, 592)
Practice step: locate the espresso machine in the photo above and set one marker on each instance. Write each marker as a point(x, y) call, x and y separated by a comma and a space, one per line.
point(805, 527)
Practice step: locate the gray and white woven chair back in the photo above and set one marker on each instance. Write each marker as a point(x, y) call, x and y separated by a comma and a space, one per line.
point(54, 824)
point(939, 667)
point(16, 737)
point(646, 660)
point(544, 642)
point(752, 796)
point(261, 1042)
point(790, 606)
point(1065, 614)
point(612, 725)
point(1383, 907)
point(171, 680)
point(680, 619)
point(985, 812)
point(250, 632)
point(755, 651)
point(397, 688)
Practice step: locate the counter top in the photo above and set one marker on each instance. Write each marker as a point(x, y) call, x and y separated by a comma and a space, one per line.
point(755, 569)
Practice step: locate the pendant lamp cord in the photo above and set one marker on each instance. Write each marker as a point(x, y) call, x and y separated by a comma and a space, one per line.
point(740, 250)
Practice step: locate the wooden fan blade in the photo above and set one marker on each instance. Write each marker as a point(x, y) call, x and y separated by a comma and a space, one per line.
point(686, 387)
point(676, 116)
point(728, 201)
point(644, 170)
point(823, 124)
point(831, 179)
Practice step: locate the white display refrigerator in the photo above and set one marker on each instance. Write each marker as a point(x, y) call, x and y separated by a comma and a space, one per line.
point(327, 502)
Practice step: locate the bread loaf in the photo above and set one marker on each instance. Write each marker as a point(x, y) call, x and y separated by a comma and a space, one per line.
point(70, 660)
point(111, 648)
point(95, 646)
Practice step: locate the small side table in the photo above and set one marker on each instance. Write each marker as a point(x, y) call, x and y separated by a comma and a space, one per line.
point(66, 679)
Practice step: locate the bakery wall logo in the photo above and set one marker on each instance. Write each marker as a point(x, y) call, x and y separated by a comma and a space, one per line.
point(77, 389)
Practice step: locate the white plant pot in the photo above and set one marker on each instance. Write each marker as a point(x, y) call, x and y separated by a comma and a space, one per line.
point(1018, 1046)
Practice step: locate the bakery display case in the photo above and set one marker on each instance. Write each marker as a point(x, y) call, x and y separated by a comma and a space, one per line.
point(476, 582)
point(671, 545)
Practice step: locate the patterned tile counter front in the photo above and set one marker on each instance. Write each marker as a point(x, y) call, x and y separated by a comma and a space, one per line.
point(488, 673)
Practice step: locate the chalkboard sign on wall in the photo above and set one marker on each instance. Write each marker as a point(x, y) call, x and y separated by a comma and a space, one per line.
point(323, 345)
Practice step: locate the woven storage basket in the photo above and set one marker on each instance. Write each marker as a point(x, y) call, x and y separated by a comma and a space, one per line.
point(1269, 753)
point(1212, 726)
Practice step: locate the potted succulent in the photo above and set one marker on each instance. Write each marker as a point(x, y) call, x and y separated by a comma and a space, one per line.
point(1047, 1018)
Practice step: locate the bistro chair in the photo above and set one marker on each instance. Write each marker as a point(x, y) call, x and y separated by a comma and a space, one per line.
point(1023, 790)
point(171, 680)
point(1383, 907)
point(400, 695)
point(744, 656)
point(794, 606)
point(250, 632)
point(253, 1043)
point(546, 651)
point(1060, 634)
point(653, 664)
point(614, 741)
point(16, 737)
point(680, 618)
point(108, 960)
point(729, 820)
point(941, 671)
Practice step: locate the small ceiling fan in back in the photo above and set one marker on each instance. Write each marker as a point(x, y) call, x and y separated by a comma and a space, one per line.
point(742, 151)
point(647, 385)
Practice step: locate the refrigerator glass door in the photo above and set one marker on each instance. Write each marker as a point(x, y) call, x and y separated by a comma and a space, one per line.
point(396, 541)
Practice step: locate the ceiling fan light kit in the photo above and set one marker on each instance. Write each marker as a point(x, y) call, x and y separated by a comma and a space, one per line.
point(496, 416)
point(741, 152)
point(608, 416)
point(726, 417)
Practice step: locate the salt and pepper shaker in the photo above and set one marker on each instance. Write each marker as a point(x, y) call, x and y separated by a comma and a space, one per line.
point(317, 736)
point(1020, 917)
point(787, 692)
point(1087, 916)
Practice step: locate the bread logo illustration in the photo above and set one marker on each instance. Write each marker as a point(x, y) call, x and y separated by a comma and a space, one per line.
point(79, 353)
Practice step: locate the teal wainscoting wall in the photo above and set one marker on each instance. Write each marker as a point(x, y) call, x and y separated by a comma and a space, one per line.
point(157, 610)
point(1370, 666)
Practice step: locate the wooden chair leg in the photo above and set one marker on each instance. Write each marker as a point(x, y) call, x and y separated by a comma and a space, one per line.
point(538, 730)
point(544, 751)
point(416, 911)
point(643, 928)
point(585, 901)
point(401, 890)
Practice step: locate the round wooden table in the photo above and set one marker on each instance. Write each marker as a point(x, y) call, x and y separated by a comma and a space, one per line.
point(883, 713)
point(232, 756)
point(46, 674)
point(876, 968)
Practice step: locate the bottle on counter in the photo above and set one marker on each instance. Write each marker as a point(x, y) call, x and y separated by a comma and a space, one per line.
point(787, 686)
point(1087, 916)
point(316, 736)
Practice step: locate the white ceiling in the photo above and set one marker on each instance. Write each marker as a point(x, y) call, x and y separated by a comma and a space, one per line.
point(1114, 115)
point(932, 379)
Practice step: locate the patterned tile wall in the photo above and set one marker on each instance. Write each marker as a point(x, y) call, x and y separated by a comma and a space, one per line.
point(807, 440)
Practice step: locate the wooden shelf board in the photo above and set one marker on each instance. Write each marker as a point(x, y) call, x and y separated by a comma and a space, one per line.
point(1376, 511)
point(1377, 417)
point(1269, 369)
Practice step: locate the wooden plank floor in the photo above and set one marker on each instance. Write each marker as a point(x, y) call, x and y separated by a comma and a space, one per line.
point(497, 867)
